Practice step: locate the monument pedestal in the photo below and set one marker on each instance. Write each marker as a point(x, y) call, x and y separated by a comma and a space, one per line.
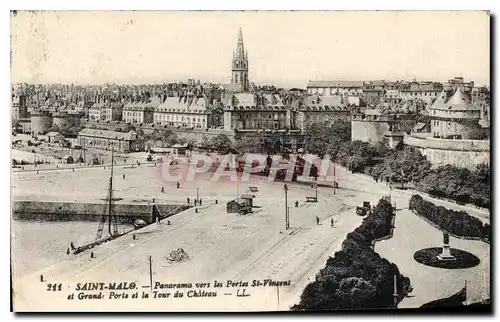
point(446, 255)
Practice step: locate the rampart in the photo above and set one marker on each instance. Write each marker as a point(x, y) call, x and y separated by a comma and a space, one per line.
point(460, 153)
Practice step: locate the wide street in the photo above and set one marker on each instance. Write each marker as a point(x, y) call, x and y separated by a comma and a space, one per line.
point(224, 246)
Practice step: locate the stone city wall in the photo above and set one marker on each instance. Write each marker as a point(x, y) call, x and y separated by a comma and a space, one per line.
point(461, 153)
point(368, 131)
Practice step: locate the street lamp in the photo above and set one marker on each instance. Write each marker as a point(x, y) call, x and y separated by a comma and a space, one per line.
point(287, 224)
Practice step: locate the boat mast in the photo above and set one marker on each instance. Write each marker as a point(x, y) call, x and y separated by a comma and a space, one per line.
point(110, 205)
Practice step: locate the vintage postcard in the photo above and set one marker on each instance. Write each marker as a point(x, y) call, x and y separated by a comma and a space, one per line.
point(250, 161)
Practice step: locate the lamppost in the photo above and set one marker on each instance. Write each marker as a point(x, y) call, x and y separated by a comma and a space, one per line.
point(287, 224)
point(334, 179)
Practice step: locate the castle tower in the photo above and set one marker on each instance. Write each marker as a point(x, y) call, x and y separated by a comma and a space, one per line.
point(240, 65)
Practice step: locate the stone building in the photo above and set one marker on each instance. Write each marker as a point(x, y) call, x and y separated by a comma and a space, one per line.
point(95, 112)
point(186, 112)
point(141, 111)
point(373, 92)
point(374, 126)
point(106, 111)
point(256, 111)
point(316, 109)
point(426, 91)
point(458, 82)
point(334, 88)
point(480, 97)
point(454, 116)
point(107, 140)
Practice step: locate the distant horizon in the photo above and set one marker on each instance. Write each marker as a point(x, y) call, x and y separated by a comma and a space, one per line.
point(116, 47)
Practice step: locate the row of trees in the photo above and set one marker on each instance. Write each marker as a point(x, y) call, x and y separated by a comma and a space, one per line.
point(458, 223)
point(327, 138)
point(460, 184)
point(166, 138)
point(357, 277)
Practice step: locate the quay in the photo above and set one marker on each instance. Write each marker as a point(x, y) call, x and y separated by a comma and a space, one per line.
point(91, 211)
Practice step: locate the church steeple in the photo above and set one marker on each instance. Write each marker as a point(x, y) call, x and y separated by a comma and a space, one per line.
point(240, 48)
point(240, 65)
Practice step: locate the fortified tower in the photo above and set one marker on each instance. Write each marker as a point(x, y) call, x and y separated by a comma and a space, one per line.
point(240, 66)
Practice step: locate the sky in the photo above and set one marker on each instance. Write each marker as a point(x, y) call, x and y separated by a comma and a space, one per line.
point(286, 49)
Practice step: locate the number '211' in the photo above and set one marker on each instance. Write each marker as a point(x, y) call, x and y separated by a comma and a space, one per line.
point(54, 287)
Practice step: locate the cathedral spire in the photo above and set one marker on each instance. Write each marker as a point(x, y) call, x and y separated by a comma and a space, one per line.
point(240, 65)
point(240, 49)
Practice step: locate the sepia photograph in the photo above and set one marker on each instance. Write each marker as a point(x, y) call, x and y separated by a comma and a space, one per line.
point(250, 161)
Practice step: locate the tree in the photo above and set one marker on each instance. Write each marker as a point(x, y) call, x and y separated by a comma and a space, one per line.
point(191, 143)
point(205, 142)
point(75, 129)
point(221, 142)
point(403, 165)
point(357, 155)
point(54, 128)
point(459, 184)
point(247, 144)
point(273, 143)
point(182, 140)
point(326, 137)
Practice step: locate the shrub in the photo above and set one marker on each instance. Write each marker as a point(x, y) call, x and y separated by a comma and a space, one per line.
point(356, 277)
point(458, 223)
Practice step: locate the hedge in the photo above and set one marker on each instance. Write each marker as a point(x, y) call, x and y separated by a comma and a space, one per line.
point(357, 277)
point(458, 223)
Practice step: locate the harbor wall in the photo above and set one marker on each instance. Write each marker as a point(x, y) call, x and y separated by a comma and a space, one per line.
point(83, 211)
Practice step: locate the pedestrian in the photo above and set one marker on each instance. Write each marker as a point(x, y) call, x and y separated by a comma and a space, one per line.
point(188, 200)
point(178, 185)
point(124, 176)
point(296, 203)
point(200, 201)
point(317, 220)
point(331, 222)
point(162, 189)
point(195, 202)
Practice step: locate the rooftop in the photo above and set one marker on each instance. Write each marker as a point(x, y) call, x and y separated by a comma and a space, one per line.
point(456, 102)
point(186, 104)
point(339, 83)
point(108, 134)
